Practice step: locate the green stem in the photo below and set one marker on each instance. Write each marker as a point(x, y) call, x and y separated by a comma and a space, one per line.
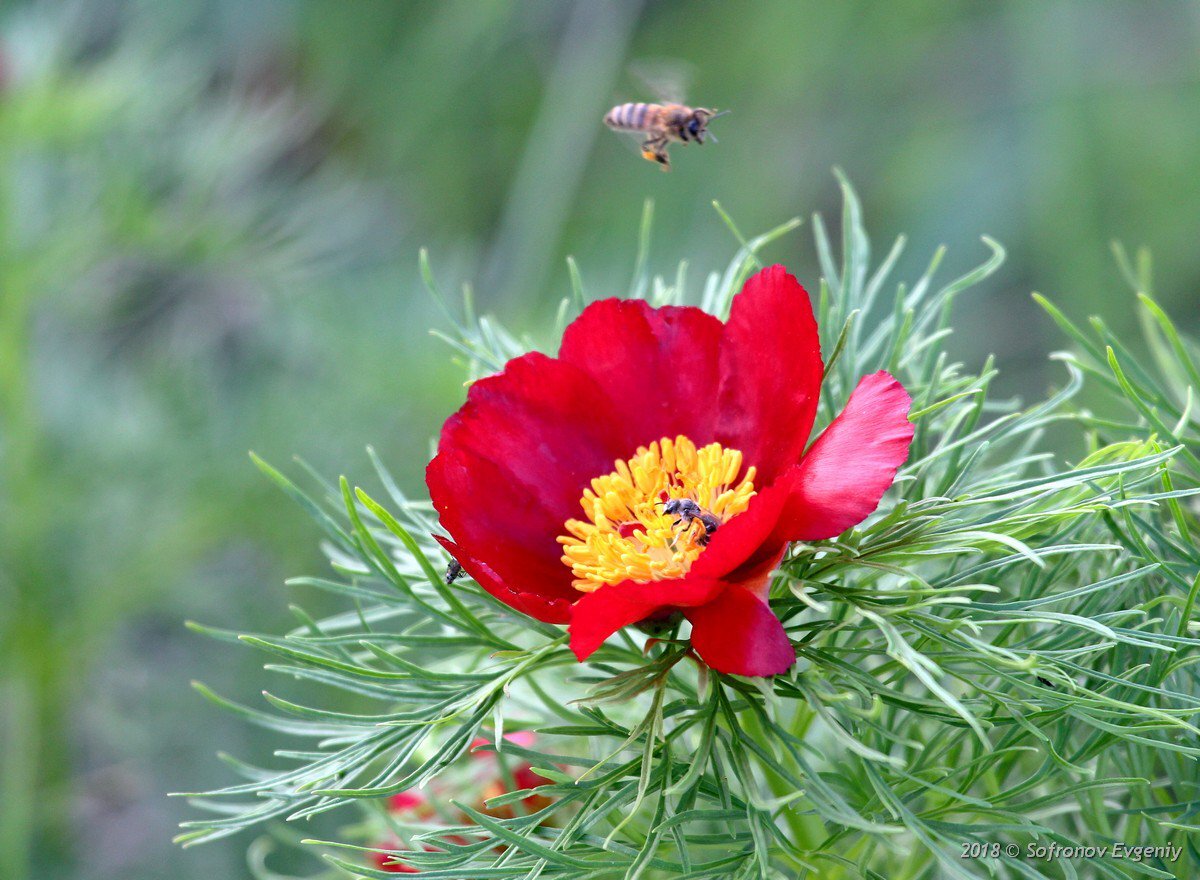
point(806, 829)
point(34, 768)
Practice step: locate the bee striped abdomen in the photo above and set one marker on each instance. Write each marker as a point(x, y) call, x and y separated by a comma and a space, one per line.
point(627, 117)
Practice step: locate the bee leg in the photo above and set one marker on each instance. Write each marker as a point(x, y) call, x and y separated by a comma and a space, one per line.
point(654, 149)
point(683, 524)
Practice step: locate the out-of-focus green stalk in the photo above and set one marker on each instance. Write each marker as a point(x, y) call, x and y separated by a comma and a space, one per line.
point(22, 686)
point(38, 633)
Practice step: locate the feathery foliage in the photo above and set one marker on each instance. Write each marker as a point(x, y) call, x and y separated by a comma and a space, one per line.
point(1001, 655)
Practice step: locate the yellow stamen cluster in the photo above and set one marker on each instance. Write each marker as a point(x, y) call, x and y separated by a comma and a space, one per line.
point(627, 536)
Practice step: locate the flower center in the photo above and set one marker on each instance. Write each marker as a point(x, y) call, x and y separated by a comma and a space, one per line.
point(652, 517)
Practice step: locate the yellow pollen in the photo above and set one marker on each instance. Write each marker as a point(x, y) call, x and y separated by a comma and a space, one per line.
point(626, 534)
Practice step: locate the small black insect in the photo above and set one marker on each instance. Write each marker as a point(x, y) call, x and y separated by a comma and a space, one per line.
point(453, 571)
point(688, 510)
point(1046, 683)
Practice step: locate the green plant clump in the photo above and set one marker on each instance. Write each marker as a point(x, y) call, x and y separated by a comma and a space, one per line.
point(995, 674)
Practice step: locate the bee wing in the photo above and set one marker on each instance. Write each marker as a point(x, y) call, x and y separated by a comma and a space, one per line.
point(634, 142)
point(667, 79)
point(632, 138)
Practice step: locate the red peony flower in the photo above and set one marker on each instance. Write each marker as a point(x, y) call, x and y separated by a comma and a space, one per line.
point(555, 478)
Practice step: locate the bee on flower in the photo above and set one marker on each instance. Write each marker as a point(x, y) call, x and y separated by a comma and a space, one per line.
point(644, 414)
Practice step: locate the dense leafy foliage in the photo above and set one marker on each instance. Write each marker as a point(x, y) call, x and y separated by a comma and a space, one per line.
point(1001, 655)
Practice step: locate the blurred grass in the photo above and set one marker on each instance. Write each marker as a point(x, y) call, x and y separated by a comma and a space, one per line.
point(209, 218)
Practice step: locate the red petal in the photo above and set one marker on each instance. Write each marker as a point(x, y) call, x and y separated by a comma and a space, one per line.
point(659, 366)
point(523, 738)
point(771, 373)
point(738, 633)
point(384, 862)
point(406, 802)
point(511, 467)
point(550, 609)
point(844, 475)
point(526, 777)
point(599, 614)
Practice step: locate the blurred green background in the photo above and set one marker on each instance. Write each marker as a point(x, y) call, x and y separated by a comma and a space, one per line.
point(209, 220)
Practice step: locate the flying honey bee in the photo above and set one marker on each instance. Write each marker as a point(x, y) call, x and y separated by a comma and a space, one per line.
point(663, 124)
